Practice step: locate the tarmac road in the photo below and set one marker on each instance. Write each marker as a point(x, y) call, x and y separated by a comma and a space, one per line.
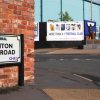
point(68, 74)
point(79, 70)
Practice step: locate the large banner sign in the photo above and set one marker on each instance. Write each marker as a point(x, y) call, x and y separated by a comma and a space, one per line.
point(65, 31)
point(36, 31)
point(87, 25)
point(10, 49)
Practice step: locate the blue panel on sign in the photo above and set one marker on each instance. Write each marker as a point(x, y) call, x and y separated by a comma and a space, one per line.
point(89, 26)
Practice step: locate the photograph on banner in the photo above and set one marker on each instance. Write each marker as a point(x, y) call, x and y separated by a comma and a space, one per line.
point(65, 31)
point(36, 31)
point(10, 49)
point(89, 29)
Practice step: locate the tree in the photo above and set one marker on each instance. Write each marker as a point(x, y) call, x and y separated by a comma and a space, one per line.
point(65, 16)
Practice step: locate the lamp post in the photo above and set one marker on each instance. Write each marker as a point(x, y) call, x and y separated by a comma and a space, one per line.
point(61, 8)
point(41, 10)
point(91, 9)
point(92, 20)
point(83, 11)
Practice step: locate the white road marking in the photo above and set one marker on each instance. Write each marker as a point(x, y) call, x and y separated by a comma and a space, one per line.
point(62, 59)
point(50, 52)
point(83, 77)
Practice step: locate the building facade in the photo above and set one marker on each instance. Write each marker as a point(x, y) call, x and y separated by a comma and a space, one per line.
point(17, 17)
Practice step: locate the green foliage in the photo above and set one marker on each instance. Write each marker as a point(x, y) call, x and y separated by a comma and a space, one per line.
point(65, 16)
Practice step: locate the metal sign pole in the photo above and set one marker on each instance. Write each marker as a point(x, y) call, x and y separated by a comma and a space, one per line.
point(91, 20)
point(21, 65)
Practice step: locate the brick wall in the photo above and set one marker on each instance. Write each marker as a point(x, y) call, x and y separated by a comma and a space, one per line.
point(17, 17)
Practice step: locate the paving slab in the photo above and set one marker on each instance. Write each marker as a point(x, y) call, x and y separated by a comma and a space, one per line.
point(25, 93)
point(73, 94)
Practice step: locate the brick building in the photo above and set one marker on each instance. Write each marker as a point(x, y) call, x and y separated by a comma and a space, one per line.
point(17, 17)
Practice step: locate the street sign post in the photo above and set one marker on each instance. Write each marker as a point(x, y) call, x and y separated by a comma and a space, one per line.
point(12, 53)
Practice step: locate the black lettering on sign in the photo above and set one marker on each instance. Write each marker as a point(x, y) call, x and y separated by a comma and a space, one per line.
point(7, 52)
point(13, 58)
point(1, 52)
point(2, 45)
point(3, 38)
point(13, 52)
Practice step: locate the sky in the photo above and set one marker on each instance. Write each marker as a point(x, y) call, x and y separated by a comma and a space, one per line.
point(51, 10)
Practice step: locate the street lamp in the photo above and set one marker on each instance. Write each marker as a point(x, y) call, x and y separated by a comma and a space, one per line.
point(91, 20)
point(91, 9)
point(41, 10)
point(83, 11)
point(61, 8)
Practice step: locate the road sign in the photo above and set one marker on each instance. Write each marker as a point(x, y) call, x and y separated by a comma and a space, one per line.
point(12, 54)
point(10, 49)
